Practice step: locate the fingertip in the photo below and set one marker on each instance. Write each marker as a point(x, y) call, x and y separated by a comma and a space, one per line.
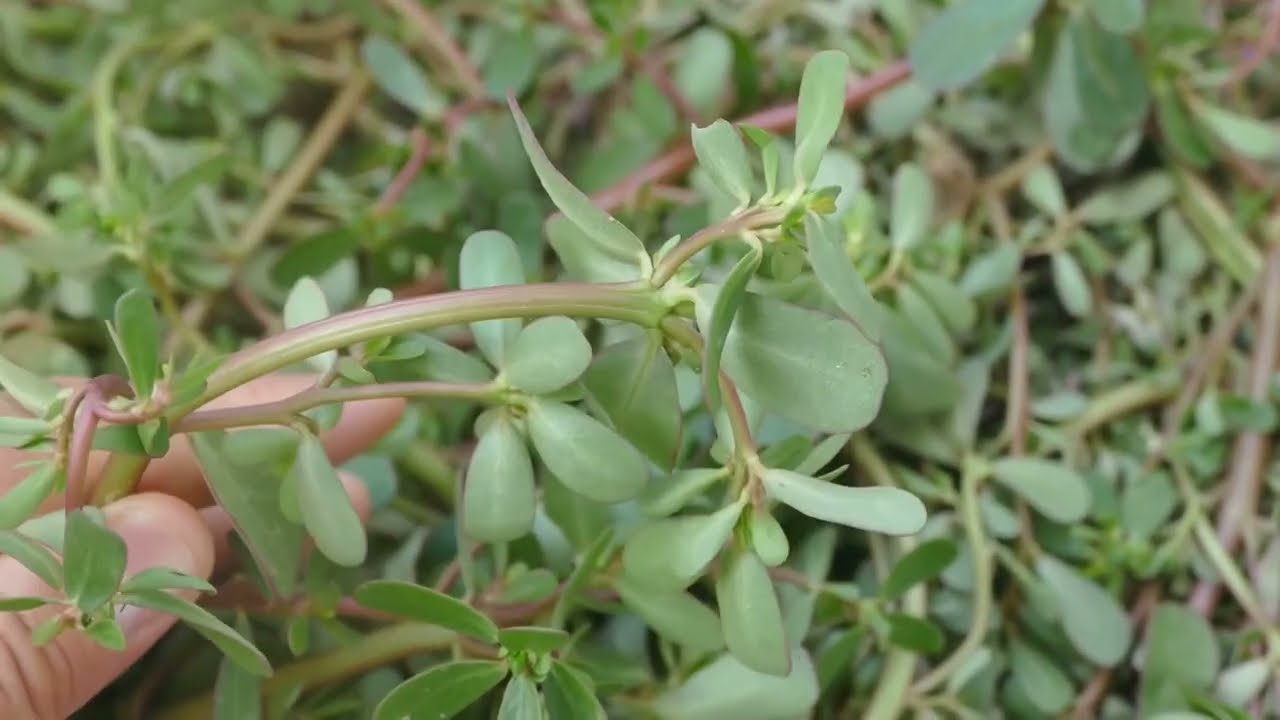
point(162, 531)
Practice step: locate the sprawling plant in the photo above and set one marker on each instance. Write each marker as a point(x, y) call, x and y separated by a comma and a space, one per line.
point(602, 416)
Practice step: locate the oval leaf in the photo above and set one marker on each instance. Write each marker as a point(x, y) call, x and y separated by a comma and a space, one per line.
point(521, 700)
point(548, 354)
point(725, 688)
point(421, 603)
point(307, 304)
point(1053, 489)
point(22, 500)
point(1043, 683)
point(586, 456)
point(768, 539)
point(835, 271)
point(326, 509)
point(808, 367)
point(93, 562)
point(33, 556)
point(673, 552)
point(400, 77)
point(491, 259)
point(1096, 624)
point(231, 643)
point(675, 615)
point(721, 153)
point(569, 693)
point(888, 510)
point(819, 109)
point(968, 37)
point(750, 617)
point(912, 209)
point(1072, 286)
point(34, 393)
point(633, 385)
point(498, 498)
point(539, 640)
point(137, 335)
point(447, 689)
point(925, 562)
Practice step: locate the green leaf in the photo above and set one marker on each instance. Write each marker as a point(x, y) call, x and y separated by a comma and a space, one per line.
point(675, 615)
point(768, 539)
point(250, 494)
point(15, 276)
point(721, 153)
point(420, 603)
point(606, 235)
point(728, 300)
point(491, 259)
point(569, 693)
point(837, 275)
point(805, 366)
point(399, 76)
point(1056, 491)
point(671, 553)
point(35, 394)
point(1246, 135)
point(537, 640)
point(963, 41)
point(314, 256)
point(1122, 17)
point(521, 700)
point(1094, 621)
point(511, 63)
point(22, 500)
point(633, 385)
point(237, 694)
point(947, 300)
point(306, 304)
point(913, 206)
point(47, 631)
point(819, 110)
point(298, 634)
point(175, 192)
point(157, 578)
point(93, 562)
point(888, 510)
point(769, 156)
point(589, 561)
point(498, 498)
point(750, 616)
point(548, 354)
point(326, 509)
point(992, 272)
point(725, 688)
point(137, 338)
point(1071, 285)
point(106, 633)
point(925, 562)
point(447, 689)
point(21, 604)
point(33, 556)
point(1044, 684)
point(914, 633)
point(586, 456)
point(1043, 188)
point(231, 643)
point(583, 257)
point(1182, 656)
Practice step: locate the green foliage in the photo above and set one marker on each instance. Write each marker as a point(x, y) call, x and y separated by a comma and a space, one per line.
point(805, 414)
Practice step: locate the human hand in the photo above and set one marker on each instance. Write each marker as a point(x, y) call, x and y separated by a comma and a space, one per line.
point(171, 522)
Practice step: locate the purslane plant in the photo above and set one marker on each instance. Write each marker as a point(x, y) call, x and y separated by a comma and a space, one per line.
point(603, 419)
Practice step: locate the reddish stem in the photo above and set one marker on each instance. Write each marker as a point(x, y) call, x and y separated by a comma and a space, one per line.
point(420, 146)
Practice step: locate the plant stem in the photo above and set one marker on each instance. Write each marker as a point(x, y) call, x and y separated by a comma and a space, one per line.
point(982, 571)
point(748, 219)
point(683, 333)
point(895, 680)
point(376, 649)
point(23, 216)
point(104, 113)
point(282, 411)
point(625, 302)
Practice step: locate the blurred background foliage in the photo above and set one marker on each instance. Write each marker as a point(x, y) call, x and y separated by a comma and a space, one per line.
point(1068, 206)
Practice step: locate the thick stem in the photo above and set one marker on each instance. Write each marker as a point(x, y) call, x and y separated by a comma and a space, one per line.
point(378, 648)
point(282, 411)
point(624, 302)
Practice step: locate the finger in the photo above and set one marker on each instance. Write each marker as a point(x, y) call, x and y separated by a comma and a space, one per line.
point(220, 525)
point(360, 426)
point(52, 682)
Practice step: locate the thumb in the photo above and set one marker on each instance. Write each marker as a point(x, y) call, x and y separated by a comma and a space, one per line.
point(52, 682)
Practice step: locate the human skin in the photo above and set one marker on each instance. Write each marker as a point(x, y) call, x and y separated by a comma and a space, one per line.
point(171, 522)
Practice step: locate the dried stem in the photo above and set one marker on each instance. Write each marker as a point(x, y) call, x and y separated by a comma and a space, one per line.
point(1252, 449)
